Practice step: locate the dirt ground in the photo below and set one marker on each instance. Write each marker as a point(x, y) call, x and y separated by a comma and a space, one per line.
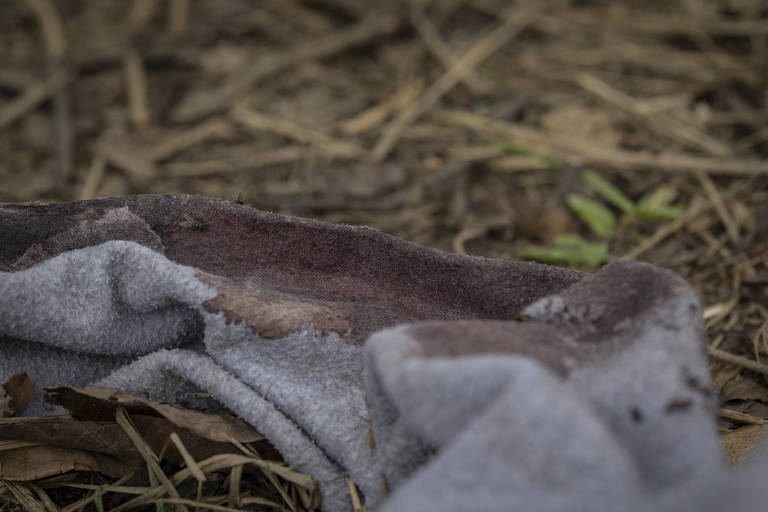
point(568, 131)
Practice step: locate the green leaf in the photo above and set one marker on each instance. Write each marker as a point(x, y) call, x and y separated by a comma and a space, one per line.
point(663, 213)
point(655, 205)
point(511, 147)
point(569, 249)
point(597, 216)
point(608, 191)
point(159, 507)
point(97, 499)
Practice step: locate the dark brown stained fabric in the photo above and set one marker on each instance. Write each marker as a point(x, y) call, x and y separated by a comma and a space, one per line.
point(623, 292)
point(582, 318)
point(545, 343)
point(340, 277)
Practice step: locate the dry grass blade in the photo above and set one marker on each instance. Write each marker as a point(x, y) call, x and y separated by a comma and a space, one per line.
point(208, 102)
point(585, 151)
point(372, 117)
point(212, 128)
point(50, 506)
point(218, 463)
point(258, 122)
point(146, 452)
point(188, 459)
point(209, 506)
point(116, 487)
point(357, 506)
point(140, 14)
point(738, 360)
point(136, 85)
point(235, 477)
point(515, 19)
point(722, 210)
point(251, 162)
point(623, 19)
point(24, 497)
point(685, 134)
point(80, 504)
point(54, 37)
point(435, 44)
point(51, 25)
point(178, 17)
point(741, 417)
point(34, 95)
point(696, 209)
point(270, 475)
point(93, 178)
point(716, 313)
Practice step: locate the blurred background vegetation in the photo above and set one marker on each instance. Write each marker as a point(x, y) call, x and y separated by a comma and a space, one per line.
point(566, 131)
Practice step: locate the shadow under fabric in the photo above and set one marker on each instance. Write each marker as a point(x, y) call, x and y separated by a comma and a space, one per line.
point(488, 384)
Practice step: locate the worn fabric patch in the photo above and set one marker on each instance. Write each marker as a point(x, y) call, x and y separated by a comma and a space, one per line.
point(435, 381)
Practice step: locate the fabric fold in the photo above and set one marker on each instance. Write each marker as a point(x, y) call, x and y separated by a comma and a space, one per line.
point(434, 381)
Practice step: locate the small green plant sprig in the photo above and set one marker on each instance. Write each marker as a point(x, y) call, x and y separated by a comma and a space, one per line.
point(574, 250)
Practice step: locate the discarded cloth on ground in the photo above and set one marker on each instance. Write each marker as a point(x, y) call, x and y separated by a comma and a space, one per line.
point(434, 381)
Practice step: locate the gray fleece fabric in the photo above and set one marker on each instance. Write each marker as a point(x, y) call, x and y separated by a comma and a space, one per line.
point(434, 381)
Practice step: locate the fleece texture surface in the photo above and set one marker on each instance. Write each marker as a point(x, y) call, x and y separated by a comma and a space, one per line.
point(488, 385)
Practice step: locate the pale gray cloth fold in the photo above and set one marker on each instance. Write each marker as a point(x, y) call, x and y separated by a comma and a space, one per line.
point(435, 381)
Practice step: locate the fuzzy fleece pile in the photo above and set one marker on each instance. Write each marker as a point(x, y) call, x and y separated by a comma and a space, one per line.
point(488, 385)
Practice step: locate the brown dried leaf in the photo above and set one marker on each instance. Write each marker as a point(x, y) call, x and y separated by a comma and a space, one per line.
point(731, 384)
point(18, 393)
point(6, 409)
point(741, 443)
point(35, 462)
point(100, 404)
point(66, 432)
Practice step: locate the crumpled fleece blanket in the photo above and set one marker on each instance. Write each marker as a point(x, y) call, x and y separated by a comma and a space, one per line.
point(488, 385)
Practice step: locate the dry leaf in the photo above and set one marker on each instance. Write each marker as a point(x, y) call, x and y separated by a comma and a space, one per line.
point(99, 403)
point(35, 462)
point(15, 394)
point(741, 443)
